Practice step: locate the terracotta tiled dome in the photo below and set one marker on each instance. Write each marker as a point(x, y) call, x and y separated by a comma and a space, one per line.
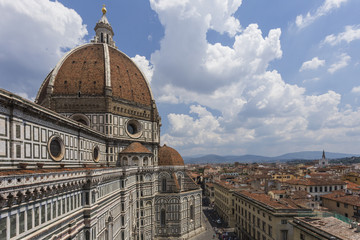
point(97, 69)
point(169, 157)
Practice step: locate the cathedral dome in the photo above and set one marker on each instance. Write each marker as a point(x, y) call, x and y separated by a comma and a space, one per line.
point(97, 69)
point(97, 77)
point(169, 157)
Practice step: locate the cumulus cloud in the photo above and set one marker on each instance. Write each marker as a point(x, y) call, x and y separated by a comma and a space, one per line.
point(326, 8)
point(343, 62)
point(35, 34)
point(146, 67)
point(312, 64)
point(237, 105)
point(350, 34)
point(355, 89)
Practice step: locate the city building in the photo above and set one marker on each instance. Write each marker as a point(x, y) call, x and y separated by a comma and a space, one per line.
point(224, 202)
point(323, 162)
point(210, 192)
point(324, 228)
point(317, 186)
point(258, 216)
point(353, 177)
point(85, 162)
point(344, 203)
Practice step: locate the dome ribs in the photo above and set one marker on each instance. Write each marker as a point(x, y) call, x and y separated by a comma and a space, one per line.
point(169, 157)
point(79, 71)
point(128, 83)
point(84, 73)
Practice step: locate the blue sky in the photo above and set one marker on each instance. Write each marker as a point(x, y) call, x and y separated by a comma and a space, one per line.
point(229, 76)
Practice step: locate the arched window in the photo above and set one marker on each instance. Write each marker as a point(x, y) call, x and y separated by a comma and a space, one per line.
point(135, 161)
point(192, 212)
point(81, 118)
point(125, 161)
point(179, 181)
point(162, 217)
point(164, 184)
point(101, 37)
point(87, 235)
point(145, 161)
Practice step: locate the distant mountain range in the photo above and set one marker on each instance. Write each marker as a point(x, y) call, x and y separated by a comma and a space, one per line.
point(305, 155)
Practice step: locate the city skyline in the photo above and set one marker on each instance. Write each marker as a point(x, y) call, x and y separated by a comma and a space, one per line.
point(234, 77)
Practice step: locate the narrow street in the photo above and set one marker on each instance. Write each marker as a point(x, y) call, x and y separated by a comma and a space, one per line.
point(215, 227)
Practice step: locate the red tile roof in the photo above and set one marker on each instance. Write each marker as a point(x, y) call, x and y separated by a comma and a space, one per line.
point(267, 200)
point(342, 196)
point(316, 182)
point(136, 147)
point(169, 157)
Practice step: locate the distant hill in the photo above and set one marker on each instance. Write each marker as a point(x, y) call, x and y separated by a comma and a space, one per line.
point(305, 155)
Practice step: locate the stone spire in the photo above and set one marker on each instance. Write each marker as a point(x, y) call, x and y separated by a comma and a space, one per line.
point(103, 30)
point(323, 155)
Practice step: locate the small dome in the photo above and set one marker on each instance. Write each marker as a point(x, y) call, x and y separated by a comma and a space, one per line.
point(169, 157)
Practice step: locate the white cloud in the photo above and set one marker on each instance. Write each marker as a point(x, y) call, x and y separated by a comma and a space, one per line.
point(315, 79)
point(355, 89)
point(324, 9)
point(343, 62)
point(145, 66)
point(236, 104)
point(350, 34)
point(26, 96)
point(35, 34)
point(312, 64)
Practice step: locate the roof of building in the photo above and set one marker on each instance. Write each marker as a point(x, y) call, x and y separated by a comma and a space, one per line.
point(169, 157)
point(278, 191)
point(225, 184)
point(316, 182)
point(328, 225)
point(352, 186)
point(343, 197)
point(267, 200)
point(300, 194)
point(209, 184)
point(136, 147)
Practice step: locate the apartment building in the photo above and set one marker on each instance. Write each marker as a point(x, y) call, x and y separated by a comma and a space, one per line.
point(209, 192)
point(315, 228)
point(317, 186)
point(344, 203)
point(260, 217)
point(224, 201)
point(353, 177)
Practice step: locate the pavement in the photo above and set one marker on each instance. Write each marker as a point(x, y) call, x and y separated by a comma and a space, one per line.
point(210, 223)
point(209, 232)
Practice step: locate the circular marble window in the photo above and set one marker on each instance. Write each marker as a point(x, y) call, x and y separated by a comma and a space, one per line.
point(96, 154)
point(133, 128)
point(56, 148)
